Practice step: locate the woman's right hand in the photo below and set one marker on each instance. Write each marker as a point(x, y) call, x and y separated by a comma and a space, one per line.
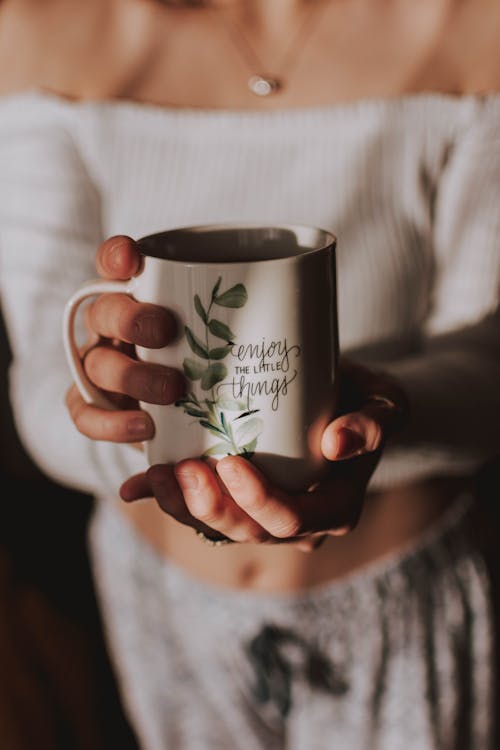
point(115, 324)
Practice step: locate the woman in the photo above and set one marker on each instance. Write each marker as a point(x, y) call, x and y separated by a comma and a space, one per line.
point(379, 122)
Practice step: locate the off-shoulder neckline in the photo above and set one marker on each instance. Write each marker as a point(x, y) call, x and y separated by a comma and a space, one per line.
point(345, 106)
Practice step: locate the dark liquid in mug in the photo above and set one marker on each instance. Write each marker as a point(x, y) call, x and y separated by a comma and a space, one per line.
point(232, 244)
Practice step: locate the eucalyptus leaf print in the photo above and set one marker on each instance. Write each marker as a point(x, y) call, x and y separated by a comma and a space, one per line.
point(195, 344)
point(200, 309)
point(234, 297)
point(221, 330)
point(193, 369)
point(215, 373)
point(231, 421)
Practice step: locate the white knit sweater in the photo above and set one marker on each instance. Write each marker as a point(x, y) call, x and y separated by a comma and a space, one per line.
point(410, 186)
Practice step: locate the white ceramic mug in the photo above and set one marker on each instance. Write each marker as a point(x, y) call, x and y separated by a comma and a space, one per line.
point(258, 344)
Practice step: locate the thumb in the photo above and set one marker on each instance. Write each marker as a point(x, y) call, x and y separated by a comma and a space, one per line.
point(362, 431)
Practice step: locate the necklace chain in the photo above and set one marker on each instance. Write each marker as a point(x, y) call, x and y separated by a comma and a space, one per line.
point(264, 84)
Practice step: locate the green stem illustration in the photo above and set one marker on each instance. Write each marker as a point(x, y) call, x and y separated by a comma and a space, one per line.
point(217, 414)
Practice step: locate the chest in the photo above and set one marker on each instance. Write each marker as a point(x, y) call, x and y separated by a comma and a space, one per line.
point(325, 53)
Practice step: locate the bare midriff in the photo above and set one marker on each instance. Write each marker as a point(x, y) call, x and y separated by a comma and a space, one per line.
point(390, 521)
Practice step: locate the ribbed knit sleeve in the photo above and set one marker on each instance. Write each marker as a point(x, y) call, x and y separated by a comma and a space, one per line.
point(454, 381)
point(49, 231)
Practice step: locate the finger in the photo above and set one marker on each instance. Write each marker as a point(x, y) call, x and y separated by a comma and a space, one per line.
point(93, 337)
point(121, 317)
point(112, 370)
point(160, 480)
point(208, 502)
point(359, 432)
point(136, 487)
point(118, 258)
point(167, 493)
point(102, 424)
point(162, 484)
point(267, 505)
point(333, 505)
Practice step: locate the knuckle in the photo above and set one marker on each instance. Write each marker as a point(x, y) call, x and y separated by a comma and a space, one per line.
point(207, 516)
point(93, 363)
point(77, 413)
point(254, 503)
point(107, 427)
point(127, 325)
point(205, 508)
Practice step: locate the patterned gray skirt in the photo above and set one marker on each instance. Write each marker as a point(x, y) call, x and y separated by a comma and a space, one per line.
point(397, 656)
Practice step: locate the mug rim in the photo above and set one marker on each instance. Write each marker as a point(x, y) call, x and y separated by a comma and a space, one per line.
point(328, 241)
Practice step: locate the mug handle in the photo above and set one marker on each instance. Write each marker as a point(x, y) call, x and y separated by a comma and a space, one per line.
point(89, 392)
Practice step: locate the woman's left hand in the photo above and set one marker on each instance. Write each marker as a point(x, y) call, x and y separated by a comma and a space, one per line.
point(232, 499)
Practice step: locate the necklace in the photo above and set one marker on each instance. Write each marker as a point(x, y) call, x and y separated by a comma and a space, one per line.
point(264, 84)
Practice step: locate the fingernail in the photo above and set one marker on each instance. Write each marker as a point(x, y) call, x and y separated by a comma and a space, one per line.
point(148, 330)
point(187, 480)
point(138, 427)
point(349, 443)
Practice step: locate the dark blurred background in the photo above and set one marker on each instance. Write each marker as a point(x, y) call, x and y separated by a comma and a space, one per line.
point(57, 689)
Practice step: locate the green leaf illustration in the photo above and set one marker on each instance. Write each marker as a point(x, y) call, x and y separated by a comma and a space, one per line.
point(221, 330)
point(220, 352)
point(209, 411)
point(214, 374)
point(219, 449)
point(216, 288)
point(246, 414)
point(200, 309)
point(236, 296)
point(249, 447)
point(189, 399)
point(193, 369)
point(209, 426)
point(196, 413)
point(196, 345)
point(249, 431)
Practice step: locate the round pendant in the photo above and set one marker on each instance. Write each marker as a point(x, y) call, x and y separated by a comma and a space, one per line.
point(264, 85)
